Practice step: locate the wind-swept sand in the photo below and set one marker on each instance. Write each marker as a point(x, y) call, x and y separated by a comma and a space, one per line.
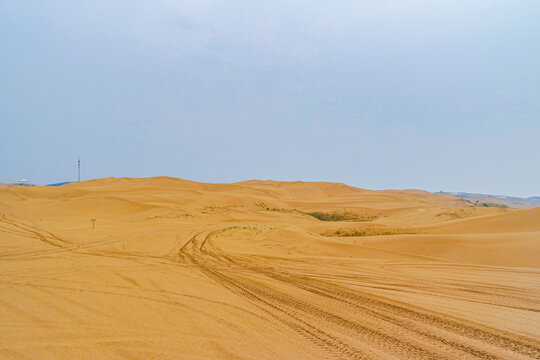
point(182, 270)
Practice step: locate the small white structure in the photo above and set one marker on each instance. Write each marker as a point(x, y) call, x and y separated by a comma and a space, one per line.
point(25, 182)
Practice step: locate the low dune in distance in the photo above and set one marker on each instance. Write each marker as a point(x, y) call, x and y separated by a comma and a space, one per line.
point(263, 270)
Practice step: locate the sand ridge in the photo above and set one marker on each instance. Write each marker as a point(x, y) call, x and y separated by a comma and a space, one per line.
point(180, 269)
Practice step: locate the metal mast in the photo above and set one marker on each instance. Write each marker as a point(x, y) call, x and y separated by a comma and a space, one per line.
point(79, 165)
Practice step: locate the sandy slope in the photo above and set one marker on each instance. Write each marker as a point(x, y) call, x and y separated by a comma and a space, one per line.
point(178, 269)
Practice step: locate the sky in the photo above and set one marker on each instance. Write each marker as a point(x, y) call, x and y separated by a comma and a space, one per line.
point(435, 95)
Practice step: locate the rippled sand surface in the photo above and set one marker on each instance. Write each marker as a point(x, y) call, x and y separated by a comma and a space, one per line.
point(181, 270)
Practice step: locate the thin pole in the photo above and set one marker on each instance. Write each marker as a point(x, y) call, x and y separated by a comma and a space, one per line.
point(79, 165)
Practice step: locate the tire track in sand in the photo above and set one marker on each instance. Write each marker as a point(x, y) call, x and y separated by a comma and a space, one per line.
point(399, 330)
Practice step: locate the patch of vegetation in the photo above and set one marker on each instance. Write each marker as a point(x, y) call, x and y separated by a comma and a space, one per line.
point(453, 214)
point(229, 228)
point(339, 216)
point(283, 210)
point(329, 216)
point(175, 216)
point(367, 232)
point(469, 202)
point(262, 205)
point(477, 203)
point(502, 206)
point(458, 214)
point(215, 209)
point(258, 229)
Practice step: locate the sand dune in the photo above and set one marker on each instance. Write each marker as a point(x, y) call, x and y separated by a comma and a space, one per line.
point(179, 269)
point(521, 221)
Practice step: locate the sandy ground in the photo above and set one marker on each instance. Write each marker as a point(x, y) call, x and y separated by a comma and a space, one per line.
point(181, 270)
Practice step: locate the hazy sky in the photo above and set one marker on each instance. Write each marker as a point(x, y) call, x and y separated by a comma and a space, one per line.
point(376, 94)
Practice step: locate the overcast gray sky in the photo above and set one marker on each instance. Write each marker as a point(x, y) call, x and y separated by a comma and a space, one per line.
point(376, 94)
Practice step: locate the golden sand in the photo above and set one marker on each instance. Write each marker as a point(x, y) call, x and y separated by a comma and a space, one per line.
point(176, 269)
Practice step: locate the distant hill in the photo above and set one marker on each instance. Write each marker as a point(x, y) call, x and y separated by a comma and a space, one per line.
point(497, 200)
point(60, 183)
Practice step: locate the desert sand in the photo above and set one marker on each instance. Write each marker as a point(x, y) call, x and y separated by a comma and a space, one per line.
point(176, 269)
